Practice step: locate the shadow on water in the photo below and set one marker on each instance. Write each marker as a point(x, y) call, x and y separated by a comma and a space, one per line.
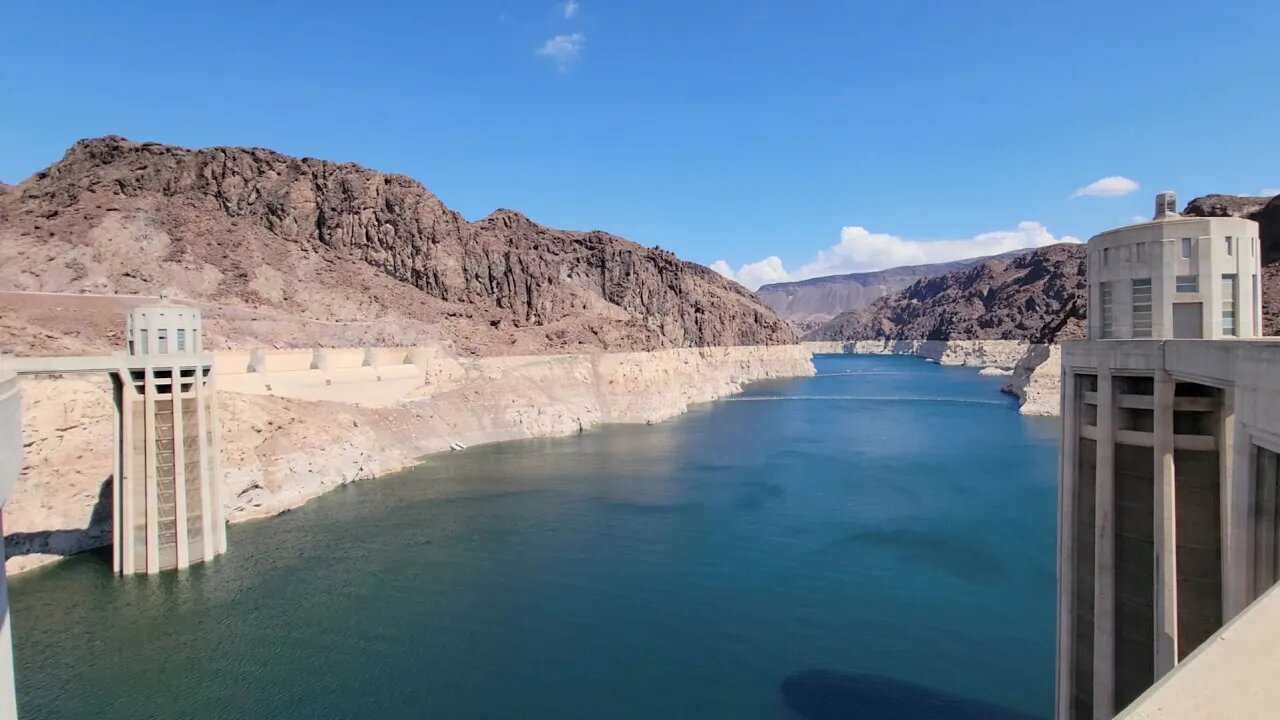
point(836, 695)
point(947, 552)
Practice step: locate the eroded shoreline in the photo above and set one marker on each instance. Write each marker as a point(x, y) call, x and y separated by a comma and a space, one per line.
point(280, 452)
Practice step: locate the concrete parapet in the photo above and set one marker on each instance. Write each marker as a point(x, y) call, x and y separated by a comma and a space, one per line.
point(337, 358)
point(231, 362)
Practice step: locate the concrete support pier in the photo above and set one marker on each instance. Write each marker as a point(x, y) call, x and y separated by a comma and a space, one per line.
point(10, 464)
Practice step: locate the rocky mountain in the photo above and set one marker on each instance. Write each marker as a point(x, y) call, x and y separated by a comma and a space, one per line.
point(1038, 296)
point(807, 304)
point(287, 250)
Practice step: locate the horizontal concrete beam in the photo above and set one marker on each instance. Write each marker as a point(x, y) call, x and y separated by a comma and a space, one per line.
point(63, 364)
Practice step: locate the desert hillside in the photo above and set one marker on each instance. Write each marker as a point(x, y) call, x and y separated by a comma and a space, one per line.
point(297, 251)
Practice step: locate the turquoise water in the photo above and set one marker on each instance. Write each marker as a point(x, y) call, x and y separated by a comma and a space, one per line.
point(874, 540)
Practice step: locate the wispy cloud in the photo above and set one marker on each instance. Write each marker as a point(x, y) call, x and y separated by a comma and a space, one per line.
point(1264, 192)
point(1112, 186)
point(563, 49)
point(861, 250)
point(570, 9)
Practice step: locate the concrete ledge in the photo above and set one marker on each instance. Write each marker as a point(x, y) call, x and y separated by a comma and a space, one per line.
point(1232, 675)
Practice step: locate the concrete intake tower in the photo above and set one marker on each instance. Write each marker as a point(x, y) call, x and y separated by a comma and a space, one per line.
point(167, 504)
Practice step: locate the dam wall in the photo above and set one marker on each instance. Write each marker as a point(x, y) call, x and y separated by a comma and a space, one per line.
point(290, 431)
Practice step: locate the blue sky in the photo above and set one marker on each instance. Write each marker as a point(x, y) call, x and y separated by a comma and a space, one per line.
point(832, 136)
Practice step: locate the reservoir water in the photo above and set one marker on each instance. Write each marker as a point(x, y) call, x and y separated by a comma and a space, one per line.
point(874, 540)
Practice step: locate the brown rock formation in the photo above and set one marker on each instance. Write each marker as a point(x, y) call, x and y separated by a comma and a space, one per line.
point(1038, 296)
point(299, 251)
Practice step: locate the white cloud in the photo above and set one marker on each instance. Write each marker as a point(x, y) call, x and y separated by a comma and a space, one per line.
point(564, 49)
point(1113, 186)
point(570, 9)
point(861, 250)
point(1264, 192)
point(723, 268)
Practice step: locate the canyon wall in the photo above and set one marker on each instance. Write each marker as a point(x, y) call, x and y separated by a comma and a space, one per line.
point(279, 452)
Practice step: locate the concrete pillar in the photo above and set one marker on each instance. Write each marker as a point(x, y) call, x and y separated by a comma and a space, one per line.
point(125, 512)
point(208, 513)
point(213, 451)
point(1237, 488)
point(1104, 607)
point(153, 494)
point(1165, 529)
point(1068, 469)
point(8, 695)
point(1239, 509)
point(181, 546)
point(117, 477)
point(258, 360)
point(10, 464)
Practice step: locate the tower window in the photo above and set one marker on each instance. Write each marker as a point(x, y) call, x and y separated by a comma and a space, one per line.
point(1105, 293)
point(1142, 308)
point(1228, 304)
point(162, 342)
point(1140, 252)
point(1187, 246)
point(1188, 283)
point(145, 347)
point(1229, 248)
point(1106, 256)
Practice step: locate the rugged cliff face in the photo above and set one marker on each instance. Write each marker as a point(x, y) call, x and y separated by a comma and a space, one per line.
point(336, 254)
point(1038, 297)
point(806, 304)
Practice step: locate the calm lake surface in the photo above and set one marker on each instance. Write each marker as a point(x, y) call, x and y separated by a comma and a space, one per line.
point(876, 539)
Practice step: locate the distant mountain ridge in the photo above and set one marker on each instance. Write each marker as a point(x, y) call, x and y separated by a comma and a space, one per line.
point(809, 303)
point(1037, 296)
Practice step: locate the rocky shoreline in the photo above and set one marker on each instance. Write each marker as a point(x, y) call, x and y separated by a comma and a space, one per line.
point(278, 453)
point(1033, 369)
